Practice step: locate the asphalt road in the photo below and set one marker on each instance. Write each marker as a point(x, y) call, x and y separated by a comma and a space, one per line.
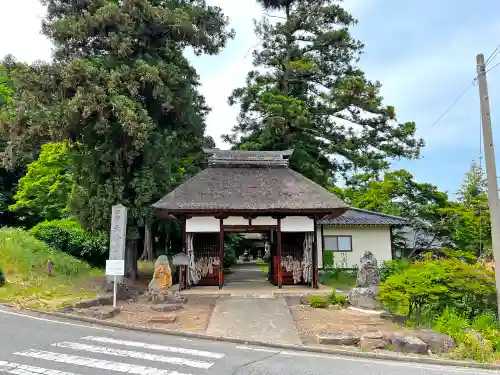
point(33, 345)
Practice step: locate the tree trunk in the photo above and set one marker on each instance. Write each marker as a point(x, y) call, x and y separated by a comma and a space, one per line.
point(147, 253)
point(131, 271)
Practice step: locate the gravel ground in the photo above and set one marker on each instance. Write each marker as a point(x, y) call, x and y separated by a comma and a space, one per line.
point(193, 317)
point(311, 321)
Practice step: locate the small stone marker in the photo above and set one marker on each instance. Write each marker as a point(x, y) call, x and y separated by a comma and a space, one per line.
point(49, 267)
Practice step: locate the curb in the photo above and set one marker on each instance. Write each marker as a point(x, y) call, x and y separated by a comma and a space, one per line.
point(303, 348)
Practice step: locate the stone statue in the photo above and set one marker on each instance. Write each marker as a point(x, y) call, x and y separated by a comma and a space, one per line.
point(367, 284)
point(162, 277)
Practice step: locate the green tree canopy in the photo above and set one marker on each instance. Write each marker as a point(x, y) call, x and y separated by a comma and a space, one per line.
point(397, 193)
point(306, 93)
point(44, 191)
point(6, 90)
point(121, 92)
point(472, 227)
point(8, 177)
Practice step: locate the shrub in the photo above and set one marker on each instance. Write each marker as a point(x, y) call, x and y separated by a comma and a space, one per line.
point(230, 258)
point(393, 267)
point(318, 302)
point(431, 286)
point(328, 259)
point(343, 301)
point(69, 236)
point(475, 341)
point(2, 277)
point(332, 298)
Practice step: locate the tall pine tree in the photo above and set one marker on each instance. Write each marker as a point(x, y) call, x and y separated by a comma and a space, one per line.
point(306, 93)
point(121, 91)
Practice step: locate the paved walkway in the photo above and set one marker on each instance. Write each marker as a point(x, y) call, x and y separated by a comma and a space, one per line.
point(246, 272)
point(263, 319)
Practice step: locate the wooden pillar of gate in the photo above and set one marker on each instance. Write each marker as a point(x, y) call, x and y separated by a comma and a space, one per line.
point(278, 252)
point(221, 252)
point(183, 269)
point(315, 275)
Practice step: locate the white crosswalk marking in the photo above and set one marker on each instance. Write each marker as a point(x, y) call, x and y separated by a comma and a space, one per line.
point(133, 354)
point(18, 369)
point(96, 363)
point(170, 349)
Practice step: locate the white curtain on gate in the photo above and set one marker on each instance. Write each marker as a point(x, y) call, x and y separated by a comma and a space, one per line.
point(198, 268)
point(192, 277)
point(307, 266)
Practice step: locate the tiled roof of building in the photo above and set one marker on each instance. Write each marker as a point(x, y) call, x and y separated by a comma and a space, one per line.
point(356, 216)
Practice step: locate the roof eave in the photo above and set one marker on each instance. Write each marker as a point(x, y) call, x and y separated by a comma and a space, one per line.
point(161, 212)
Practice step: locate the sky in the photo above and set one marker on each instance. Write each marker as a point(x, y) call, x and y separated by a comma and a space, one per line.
point(422, 51)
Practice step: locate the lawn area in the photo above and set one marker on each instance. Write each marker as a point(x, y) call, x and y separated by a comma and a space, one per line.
point(338, 279)
point(23, 260)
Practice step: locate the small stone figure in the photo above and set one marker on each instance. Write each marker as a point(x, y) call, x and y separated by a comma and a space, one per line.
point(49, 267)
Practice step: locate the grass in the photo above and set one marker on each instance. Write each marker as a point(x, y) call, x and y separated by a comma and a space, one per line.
point(338, 279)
point(23, 259)
point(264, 265)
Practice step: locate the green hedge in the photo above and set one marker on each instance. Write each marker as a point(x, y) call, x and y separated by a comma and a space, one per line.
point(70, 237)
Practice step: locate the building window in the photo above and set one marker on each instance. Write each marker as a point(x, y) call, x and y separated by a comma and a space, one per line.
point(338, 243)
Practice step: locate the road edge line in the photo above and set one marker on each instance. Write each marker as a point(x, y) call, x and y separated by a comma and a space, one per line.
point(304, 348)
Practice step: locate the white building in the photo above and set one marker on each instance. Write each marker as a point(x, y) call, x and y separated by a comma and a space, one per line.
point(349, 235)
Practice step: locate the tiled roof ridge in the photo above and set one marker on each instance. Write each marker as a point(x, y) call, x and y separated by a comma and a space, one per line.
point(378, 213)
point(247, 158)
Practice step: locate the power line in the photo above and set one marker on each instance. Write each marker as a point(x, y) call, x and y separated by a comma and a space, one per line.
point(491, 56)
point(451, 106)
point(493, 67)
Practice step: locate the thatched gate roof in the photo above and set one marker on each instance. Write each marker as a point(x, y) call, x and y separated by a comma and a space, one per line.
point(251, 182)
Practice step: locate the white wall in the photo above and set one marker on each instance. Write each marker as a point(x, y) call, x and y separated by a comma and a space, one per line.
point(203, 224)
point(235, 220)
point(375, 239)
point(319, 247)
point(297, 224)
point(264, 220)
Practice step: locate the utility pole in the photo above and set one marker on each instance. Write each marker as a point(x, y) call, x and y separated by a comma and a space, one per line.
point(491, 169)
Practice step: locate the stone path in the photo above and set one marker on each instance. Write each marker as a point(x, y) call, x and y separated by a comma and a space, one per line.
point(262, 319)
point(246, 272)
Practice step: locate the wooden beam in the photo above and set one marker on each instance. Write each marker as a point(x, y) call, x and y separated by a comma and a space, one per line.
point(245, 228)
point(315, 275)
point(221, 253)
point(182, 269)
point(393, 250)
point(278, 252)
